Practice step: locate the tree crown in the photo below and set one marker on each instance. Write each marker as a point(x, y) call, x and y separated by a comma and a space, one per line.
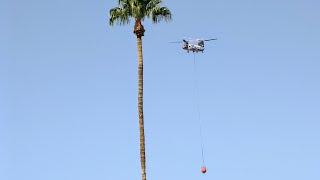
point(138, 10)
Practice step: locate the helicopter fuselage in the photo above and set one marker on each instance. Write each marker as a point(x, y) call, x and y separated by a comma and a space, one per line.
point(193, 47)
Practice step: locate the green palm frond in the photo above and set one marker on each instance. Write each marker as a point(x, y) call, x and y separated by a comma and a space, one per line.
point(119, 15)
point(160, 13)
point(152, 3)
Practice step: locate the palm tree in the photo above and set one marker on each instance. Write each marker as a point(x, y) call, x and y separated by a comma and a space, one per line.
point(138, 10)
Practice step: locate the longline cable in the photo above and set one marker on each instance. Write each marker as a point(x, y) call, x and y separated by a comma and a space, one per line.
point(197, 108)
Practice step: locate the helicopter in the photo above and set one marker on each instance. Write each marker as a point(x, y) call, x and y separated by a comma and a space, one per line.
point(196, 45)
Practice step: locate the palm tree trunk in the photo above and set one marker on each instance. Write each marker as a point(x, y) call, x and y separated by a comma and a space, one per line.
point(140, 109)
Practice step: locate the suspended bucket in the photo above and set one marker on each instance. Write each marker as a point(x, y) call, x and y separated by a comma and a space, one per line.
point(203, 169)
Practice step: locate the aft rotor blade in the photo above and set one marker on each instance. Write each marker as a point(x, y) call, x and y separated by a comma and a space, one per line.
point(176, 42)
point(210, 39)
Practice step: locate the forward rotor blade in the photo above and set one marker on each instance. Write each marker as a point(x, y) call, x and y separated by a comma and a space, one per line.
point(210, 39)
point(176, 42)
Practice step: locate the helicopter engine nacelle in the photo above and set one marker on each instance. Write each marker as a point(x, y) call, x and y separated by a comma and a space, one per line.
point(201, 43)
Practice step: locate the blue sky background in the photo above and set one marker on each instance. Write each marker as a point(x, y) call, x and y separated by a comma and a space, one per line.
point(68, 92)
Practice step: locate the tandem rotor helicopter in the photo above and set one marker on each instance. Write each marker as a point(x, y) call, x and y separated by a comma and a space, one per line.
point(193, 45)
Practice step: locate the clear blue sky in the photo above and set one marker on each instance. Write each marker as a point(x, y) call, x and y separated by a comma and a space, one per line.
point(68, 92)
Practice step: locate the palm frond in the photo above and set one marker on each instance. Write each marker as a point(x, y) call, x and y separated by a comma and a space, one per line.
point(160, 13)
point(150, 4)
point(119, 15)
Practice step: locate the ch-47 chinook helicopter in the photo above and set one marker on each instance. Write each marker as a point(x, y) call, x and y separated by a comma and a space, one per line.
point(196, 45)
